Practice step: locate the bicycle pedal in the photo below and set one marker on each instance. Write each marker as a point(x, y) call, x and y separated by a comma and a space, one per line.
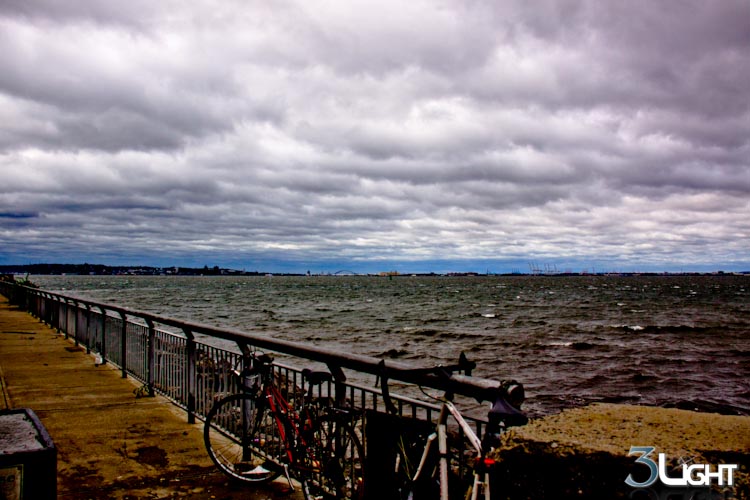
point(258, 471)
point(307, 494)
point(288, 477)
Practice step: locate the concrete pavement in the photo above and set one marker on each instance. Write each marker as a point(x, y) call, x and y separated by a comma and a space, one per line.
point(110, 444)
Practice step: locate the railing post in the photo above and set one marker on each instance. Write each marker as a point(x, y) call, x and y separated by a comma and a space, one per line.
point(103, 348)
point(55, 312)
point(51, 308)
point(124, 345)
point(44, 305)
point(39, 307)
point(76, 322)
point(66, 328)
point(58, 314)
point(150, 357)
point(339, 387)
point(190, 374)
point(87, 329)
point(67, 319)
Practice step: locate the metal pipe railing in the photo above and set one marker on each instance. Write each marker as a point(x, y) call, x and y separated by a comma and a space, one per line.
point(194, 374)
point(480, 389)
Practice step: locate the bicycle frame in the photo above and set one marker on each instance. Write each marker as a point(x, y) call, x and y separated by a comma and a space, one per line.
point(287, 421)
point(279, 406)
point(441, 435)
point(258, 433)
point(504, 413)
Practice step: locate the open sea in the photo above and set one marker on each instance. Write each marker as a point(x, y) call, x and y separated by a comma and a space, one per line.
point(676, 341)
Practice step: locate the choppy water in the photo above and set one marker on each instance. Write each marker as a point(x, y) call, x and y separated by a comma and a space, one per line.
point(665, 341)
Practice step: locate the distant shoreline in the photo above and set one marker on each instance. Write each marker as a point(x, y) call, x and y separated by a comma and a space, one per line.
point(104, 270)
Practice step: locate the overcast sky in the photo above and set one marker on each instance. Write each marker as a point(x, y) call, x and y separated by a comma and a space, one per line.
point(366, 135)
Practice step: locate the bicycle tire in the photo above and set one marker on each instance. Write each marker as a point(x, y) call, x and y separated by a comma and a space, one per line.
point(339, 454)
point(238, 419)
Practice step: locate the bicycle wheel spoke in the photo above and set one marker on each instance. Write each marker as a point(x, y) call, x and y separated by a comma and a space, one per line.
point(240, 439)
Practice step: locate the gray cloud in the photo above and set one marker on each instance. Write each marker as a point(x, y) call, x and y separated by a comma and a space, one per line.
point(129, 14)
point(433, 131)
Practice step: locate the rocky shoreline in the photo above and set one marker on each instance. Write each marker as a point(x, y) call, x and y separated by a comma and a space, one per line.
point(583, 453)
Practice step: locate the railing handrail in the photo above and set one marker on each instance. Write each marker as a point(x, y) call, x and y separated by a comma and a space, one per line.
point(481, 389)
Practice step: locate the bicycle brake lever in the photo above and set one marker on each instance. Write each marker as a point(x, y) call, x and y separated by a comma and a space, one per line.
point(467, 365)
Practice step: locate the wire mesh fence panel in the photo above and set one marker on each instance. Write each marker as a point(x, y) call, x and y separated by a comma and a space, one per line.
point(137, 350)
point(112, 340)
point(170, 364)
point(215, 376)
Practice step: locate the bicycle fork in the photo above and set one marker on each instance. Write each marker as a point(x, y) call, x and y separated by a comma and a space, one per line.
point(481, 485)
point(442, 442)
point(481, 479)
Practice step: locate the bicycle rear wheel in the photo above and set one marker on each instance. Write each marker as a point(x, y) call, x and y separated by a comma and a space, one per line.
point(242, 440)
point(338, 451)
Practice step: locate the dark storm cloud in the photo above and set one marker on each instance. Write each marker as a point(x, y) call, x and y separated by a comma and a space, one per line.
point(95, 11)
point(372, 131)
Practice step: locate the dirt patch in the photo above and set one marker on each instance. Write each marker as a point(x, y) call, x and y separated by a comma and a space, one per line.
point(86, 474)
point(583, 453)
point(152, 455)
point(190, 483)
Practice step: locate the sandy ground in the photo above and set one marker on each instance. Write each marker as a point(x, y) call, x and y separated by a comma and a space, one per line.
point(584, 452)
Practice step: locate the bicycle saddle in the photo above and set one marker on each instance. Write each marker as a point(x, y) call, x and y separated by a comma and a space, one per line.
point(316, 378)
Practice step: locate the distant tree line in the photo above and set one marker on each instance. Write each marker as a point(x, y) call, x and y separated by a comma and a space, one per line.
point(100, 269)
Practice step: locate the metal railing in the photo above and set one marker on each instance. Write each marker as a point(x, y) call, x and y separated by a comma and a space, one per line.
point(187, 367)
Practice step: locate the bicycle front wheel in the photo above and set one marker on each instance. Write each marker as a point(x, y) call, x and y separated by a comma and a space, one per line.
point(338, 453)
point(242, 439)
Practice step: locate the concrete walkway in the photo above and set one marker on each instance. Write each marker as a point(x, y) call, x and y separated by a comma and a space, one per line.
point(110, 444)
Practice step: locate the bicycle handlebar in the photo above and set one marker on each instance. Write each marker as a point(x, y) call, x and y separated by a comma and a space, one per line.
point(506, 396)
point(463, 365)
point(254, 363)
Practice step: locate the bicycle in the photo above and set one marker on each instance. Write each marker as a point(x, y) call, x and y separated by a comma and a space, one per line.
point(422, 469)
point(256, 435)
